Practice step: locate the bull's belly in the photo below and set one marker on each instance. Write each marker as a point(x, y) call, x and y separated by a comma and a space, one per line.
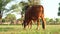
point(35, 17)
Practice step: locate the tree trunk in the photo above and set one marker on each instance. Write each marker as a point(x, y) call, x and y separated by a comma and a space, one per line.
point(22, 17)
point(0, 17)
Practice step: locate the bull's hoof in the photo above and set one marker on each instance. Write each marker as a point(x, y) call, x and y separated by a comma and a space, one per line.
point(24, 28)
point(37, 29)
point(44, 28)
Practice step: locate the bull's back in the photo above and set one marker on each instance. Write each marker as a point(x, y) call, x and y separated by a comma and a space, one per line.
point(34, 12)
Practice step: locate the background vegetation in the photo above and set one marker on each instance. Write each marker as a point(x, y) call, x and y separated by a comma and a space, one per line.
point(11, 25)
point(21, 8)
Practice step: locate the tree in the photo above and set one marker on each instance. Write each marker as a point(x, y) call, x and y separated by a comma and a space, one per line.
point(15, 8)
point(3, 20)
point(3, 3)
point(23, 5)
point(57, 20)
point(59, 10)
point(34, 2)
point(47, 20)
point(10, 17)
point(51, 21)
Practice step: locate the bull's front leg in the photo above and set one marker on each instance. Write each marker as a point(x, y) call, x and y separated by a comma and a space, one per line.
point(38, 24)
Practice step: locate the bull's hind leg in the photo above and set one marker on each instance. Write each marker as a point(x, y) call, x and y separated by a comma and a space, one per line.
point(30, 24)
point(43, 23)
point(38, 24)
point(25, 24)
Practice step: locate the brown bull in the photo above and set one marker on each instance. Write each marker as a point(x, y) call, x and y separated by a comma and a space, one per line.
point(35, 13)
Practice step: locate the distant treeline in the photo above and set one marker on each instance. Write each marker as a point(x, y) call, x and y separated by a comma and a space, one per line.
point(49, 21)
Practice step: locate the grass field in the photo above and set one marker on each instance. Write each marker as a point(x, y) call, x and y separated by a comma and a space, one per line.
point(18, 29)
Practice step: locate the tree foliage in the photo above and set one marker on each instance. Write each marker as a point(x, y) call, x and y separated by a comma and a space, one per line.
point(23, 4)
point(10, 17)
point(15, 8)
point(3, 20)
point(3, 3)
point(59, 10)
point(34, 2)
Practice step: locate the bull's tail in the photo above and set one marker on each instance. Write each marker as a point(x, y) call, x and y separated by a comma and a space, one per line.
point(43, 26)
point(43, 20)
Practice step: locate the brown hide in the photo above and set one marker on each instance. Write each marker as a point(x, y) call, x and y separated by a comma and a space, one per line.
point(34, 13)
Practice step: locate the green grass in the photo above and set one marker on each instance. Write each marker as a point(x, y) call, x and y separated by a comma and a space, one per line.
point(18, 29)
